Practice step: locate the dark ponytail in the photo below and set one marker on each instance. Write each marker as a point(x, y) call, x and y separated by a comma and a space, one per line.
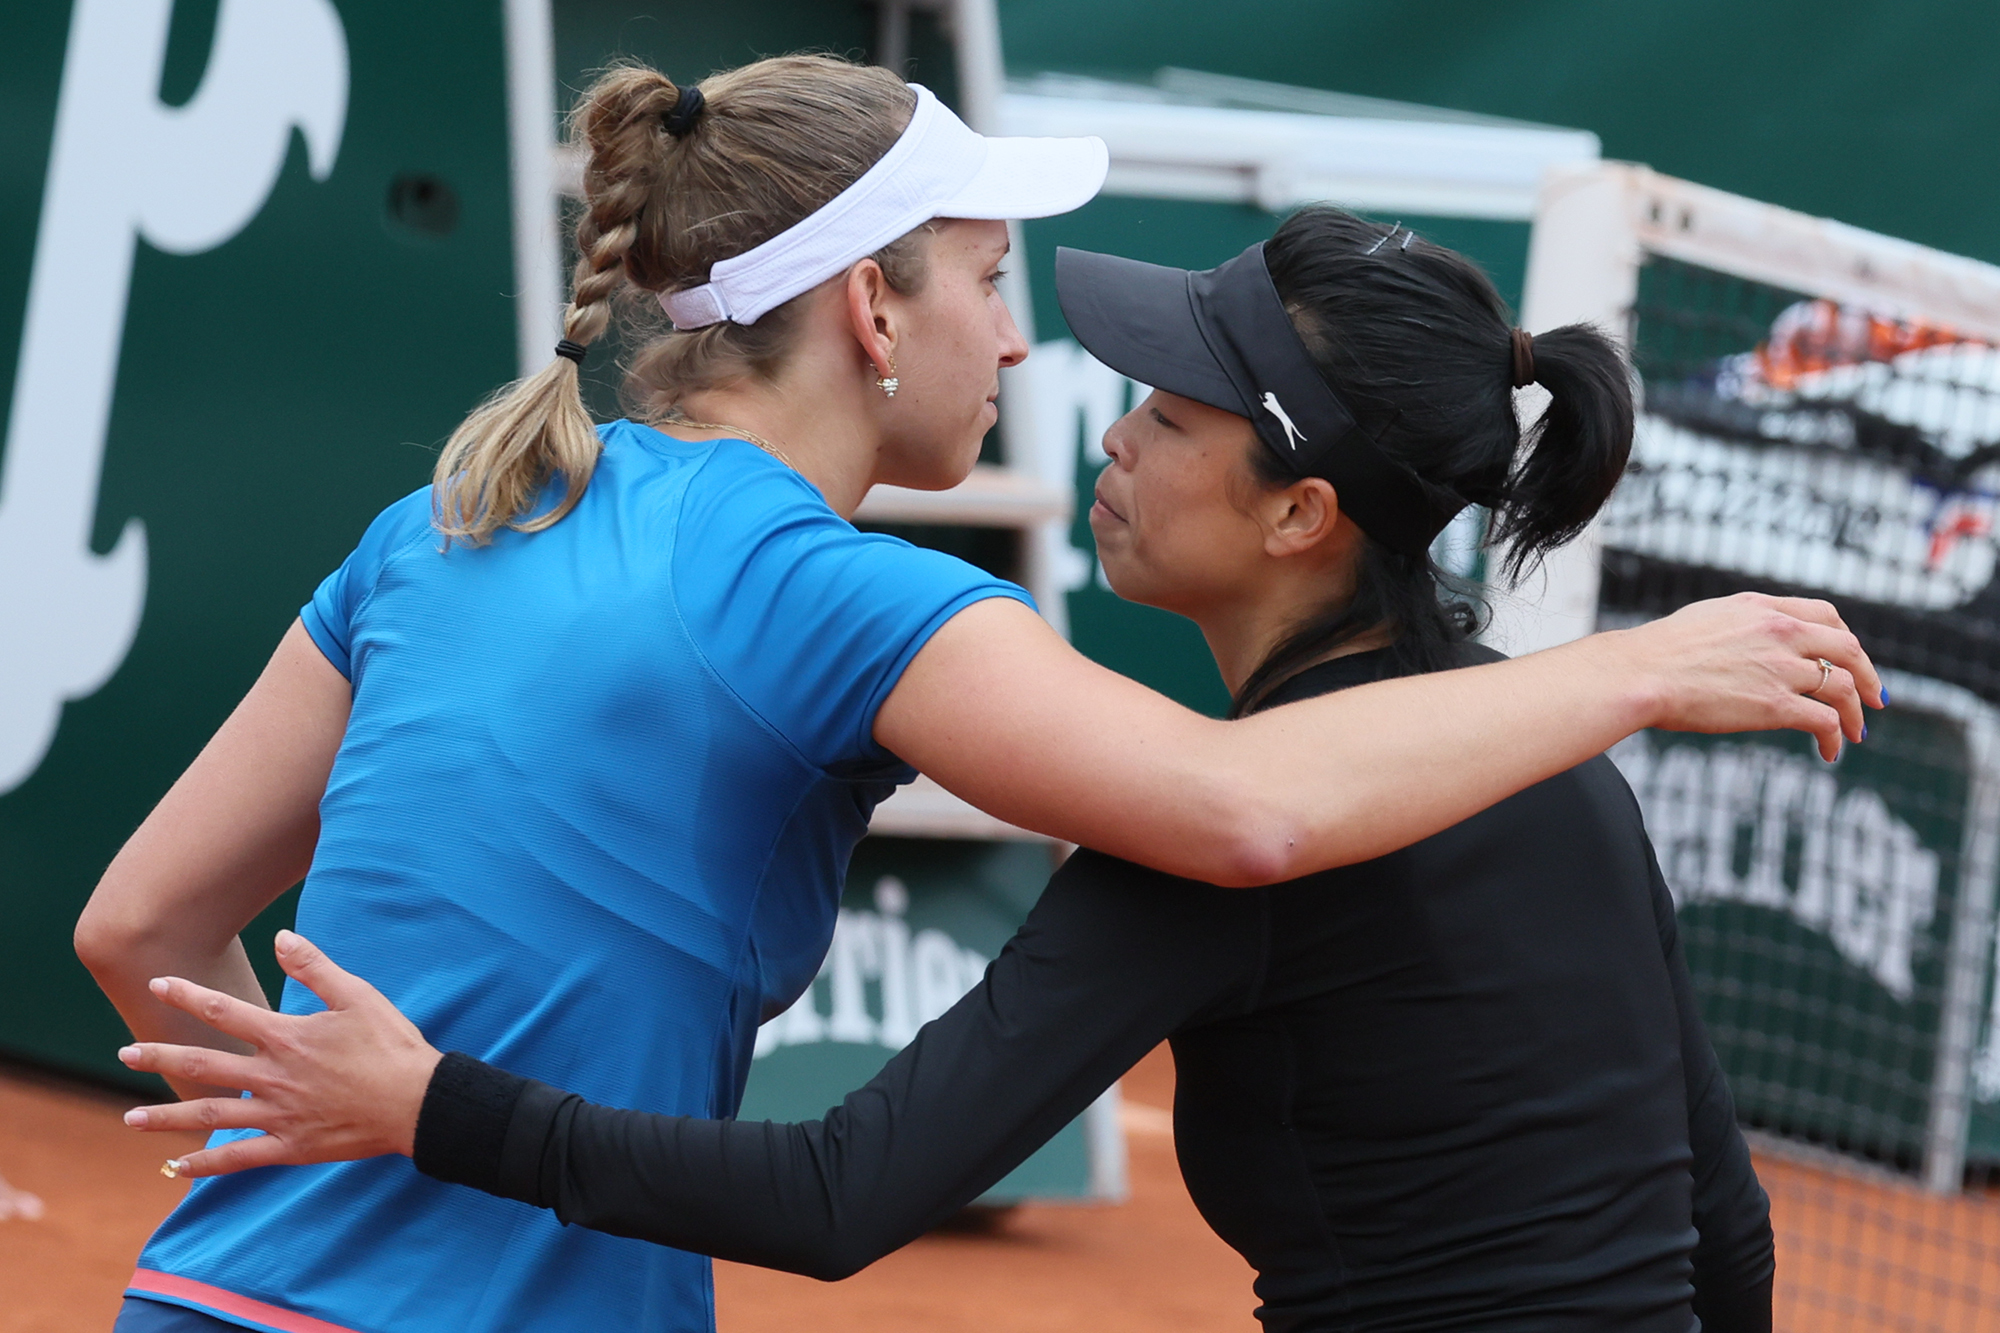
point(1418, 344)
point(1575, 453)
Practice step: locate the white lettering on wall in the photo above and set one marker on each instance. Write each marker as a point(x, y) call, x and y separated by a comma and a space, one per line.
point(914, 979)
point(1754, 824)
point(123, 166)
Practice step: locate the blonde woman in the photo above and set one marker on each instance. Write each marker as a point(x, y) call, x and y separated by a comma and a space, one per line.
point(576, 745)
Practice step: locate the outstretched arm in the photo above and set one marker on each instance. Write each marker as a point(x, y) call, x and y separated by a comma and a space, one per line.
point(1113, 959)
point(998, 709)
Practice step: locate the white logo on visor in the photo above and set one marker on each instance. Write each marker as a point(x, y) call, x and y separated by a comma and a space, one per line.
point(1293, 435)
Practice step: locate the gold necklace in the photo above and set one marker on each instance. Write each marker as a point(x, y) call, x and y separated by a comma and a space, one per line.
point(678, 420)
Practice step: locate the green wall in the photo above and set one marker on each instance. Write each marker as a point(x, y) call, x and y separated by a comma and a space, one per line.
point(273, 394)
point(1883, 115)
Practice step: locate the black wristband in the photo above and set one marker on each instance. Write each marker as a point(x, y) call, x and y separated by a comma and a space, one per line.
point(462, 1129)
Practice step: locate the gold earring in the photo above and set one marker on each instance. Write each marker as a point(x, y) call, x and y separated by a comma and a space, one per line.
point(888, 384)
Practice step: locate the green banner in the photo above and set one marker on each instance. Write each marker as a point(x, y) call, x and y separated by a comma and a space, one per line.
point(255, 263)
point(920, 921)
point(1816, 908)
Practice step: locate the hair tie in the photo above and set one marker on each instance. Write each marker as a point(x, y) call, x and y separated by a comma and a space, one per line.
point(1524, 358)
point(574, 351)
point(687, 110)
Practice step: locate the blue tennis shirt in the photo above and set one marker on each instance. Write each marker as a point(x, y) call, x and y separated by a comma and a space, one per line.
point(589, 822)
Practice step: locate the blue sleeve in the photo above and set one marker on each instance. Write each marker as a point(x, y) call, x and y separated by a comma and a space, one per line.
point(329, 616)
point(807, 621)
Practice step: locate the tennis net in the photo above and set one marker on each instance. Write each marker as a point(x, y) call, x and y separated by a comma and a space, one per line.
point(1822, 416)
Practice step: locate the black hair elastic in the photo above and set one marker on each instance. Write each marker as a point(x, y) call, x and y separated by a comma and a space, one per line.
point(686, 111)
point(574, 351)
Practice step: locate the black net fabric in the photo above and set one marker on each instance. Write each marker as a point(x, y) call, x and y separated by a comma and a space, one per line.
point(1838, 919)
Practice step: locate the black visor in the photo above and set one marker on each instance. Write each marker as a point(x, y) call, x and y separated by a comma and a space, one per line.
point(1222, 337)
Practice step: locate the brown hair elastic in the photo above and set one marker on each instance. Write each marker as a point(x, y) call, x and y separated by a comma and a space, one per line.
point(1524, 358)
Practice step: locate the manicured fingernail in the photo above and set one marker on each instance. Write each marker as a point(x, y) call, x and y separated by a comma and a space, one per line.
point(158, 985)
point(286, 939)
point(1864, 731)
point(128, 1053)
point(173, 1168)
point(136, 1118)
point(1885, 698)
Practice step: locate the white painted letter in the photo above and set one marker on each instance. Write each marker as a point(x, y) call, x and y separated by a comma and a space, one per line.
point(123, 166)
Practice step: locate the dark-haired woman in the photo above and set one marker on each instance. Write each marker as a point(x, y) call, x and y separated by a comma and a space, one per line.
point(1461, 1086)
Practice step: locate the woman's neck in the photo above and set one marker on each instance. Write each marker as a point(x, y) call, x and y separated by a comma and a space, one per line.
point(815, 419)
point(1244, 632)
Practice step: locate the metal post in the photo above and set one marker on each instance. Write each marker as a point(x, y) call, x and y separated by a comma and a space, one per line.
point(981, 78)
point(531, 148)
point(1583, 266)
point(892, 36)
point(1950, 1118)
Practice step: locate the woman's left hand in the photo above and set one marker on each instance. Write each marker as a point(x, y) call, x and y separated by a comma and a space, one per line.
point(327, 1087)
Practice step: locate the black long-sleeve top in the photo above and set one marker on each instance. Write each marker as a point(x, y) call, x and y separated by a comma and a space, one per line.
point(1463, 1086)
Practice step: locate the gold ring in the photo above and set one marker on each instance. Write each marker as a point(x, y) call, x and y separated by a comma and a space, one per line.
point(1825, 674)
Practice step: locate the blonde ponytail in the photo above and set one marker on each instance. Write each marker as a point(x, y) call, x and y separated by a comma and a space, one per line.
point(779, 139)
point(534, 431)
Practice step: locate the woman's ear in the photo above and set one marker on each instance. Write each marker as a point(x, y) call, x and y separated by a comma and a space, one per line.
point(1301, 517)
point(870, 314)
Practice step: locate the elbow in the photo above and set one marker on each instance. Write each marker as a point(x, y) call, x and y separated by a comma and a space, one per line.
point(110, 939)
point(828, 1255)
point(1250, 860)
point(1251, 844)
point(836, 1263)
point(840, 1248)
point(99, 939)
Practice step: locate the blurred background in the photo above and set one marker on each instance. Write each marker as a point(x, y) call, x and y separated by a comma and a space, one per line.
point(258, 257)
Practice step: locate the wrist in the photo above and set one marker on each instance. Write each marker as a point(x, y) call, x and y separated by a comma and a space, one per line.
point(462, 1133)
point(1635, 692)
point(413, 1086)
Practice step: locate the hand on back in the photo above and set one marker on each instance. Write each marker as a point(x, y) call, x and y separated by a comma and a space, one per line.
point(334, 1086)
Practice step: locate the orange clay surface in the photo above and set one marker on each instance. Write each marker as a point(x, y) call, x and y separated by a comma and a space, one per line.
point(1143, 1265)
point(1854, 1253)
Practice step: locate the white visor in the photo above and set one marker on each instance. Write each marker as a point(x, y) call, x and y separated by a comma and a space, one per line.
point(939, 168)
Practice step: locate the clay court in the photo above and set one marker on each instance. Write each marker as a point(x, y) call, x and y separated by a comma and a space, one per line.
point(1855, 1253)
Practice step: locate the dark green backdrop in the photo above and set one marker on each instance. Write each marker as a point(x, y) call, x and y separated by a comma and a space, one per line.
point(1885, 115)
point(273, 395)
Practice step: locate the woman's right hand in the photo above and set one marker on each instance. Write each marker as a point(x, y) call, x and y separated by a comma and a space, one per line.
point(339, 1085)
point(1750, 662)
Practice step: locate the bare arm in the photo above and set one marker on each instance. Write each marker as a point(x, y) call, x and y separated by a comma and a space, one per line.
point(233, 833)
point(998, 709)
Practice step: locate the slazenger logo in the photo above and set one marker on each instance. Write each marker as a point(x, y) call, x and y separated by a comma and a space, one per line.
point(1293, 436)
point(915, 978)
point(1839, 863)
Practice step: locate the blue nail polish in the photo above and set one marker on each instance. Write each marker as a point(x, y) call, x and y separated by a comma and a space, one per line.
point(1885, 698)
point(1864, 731)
